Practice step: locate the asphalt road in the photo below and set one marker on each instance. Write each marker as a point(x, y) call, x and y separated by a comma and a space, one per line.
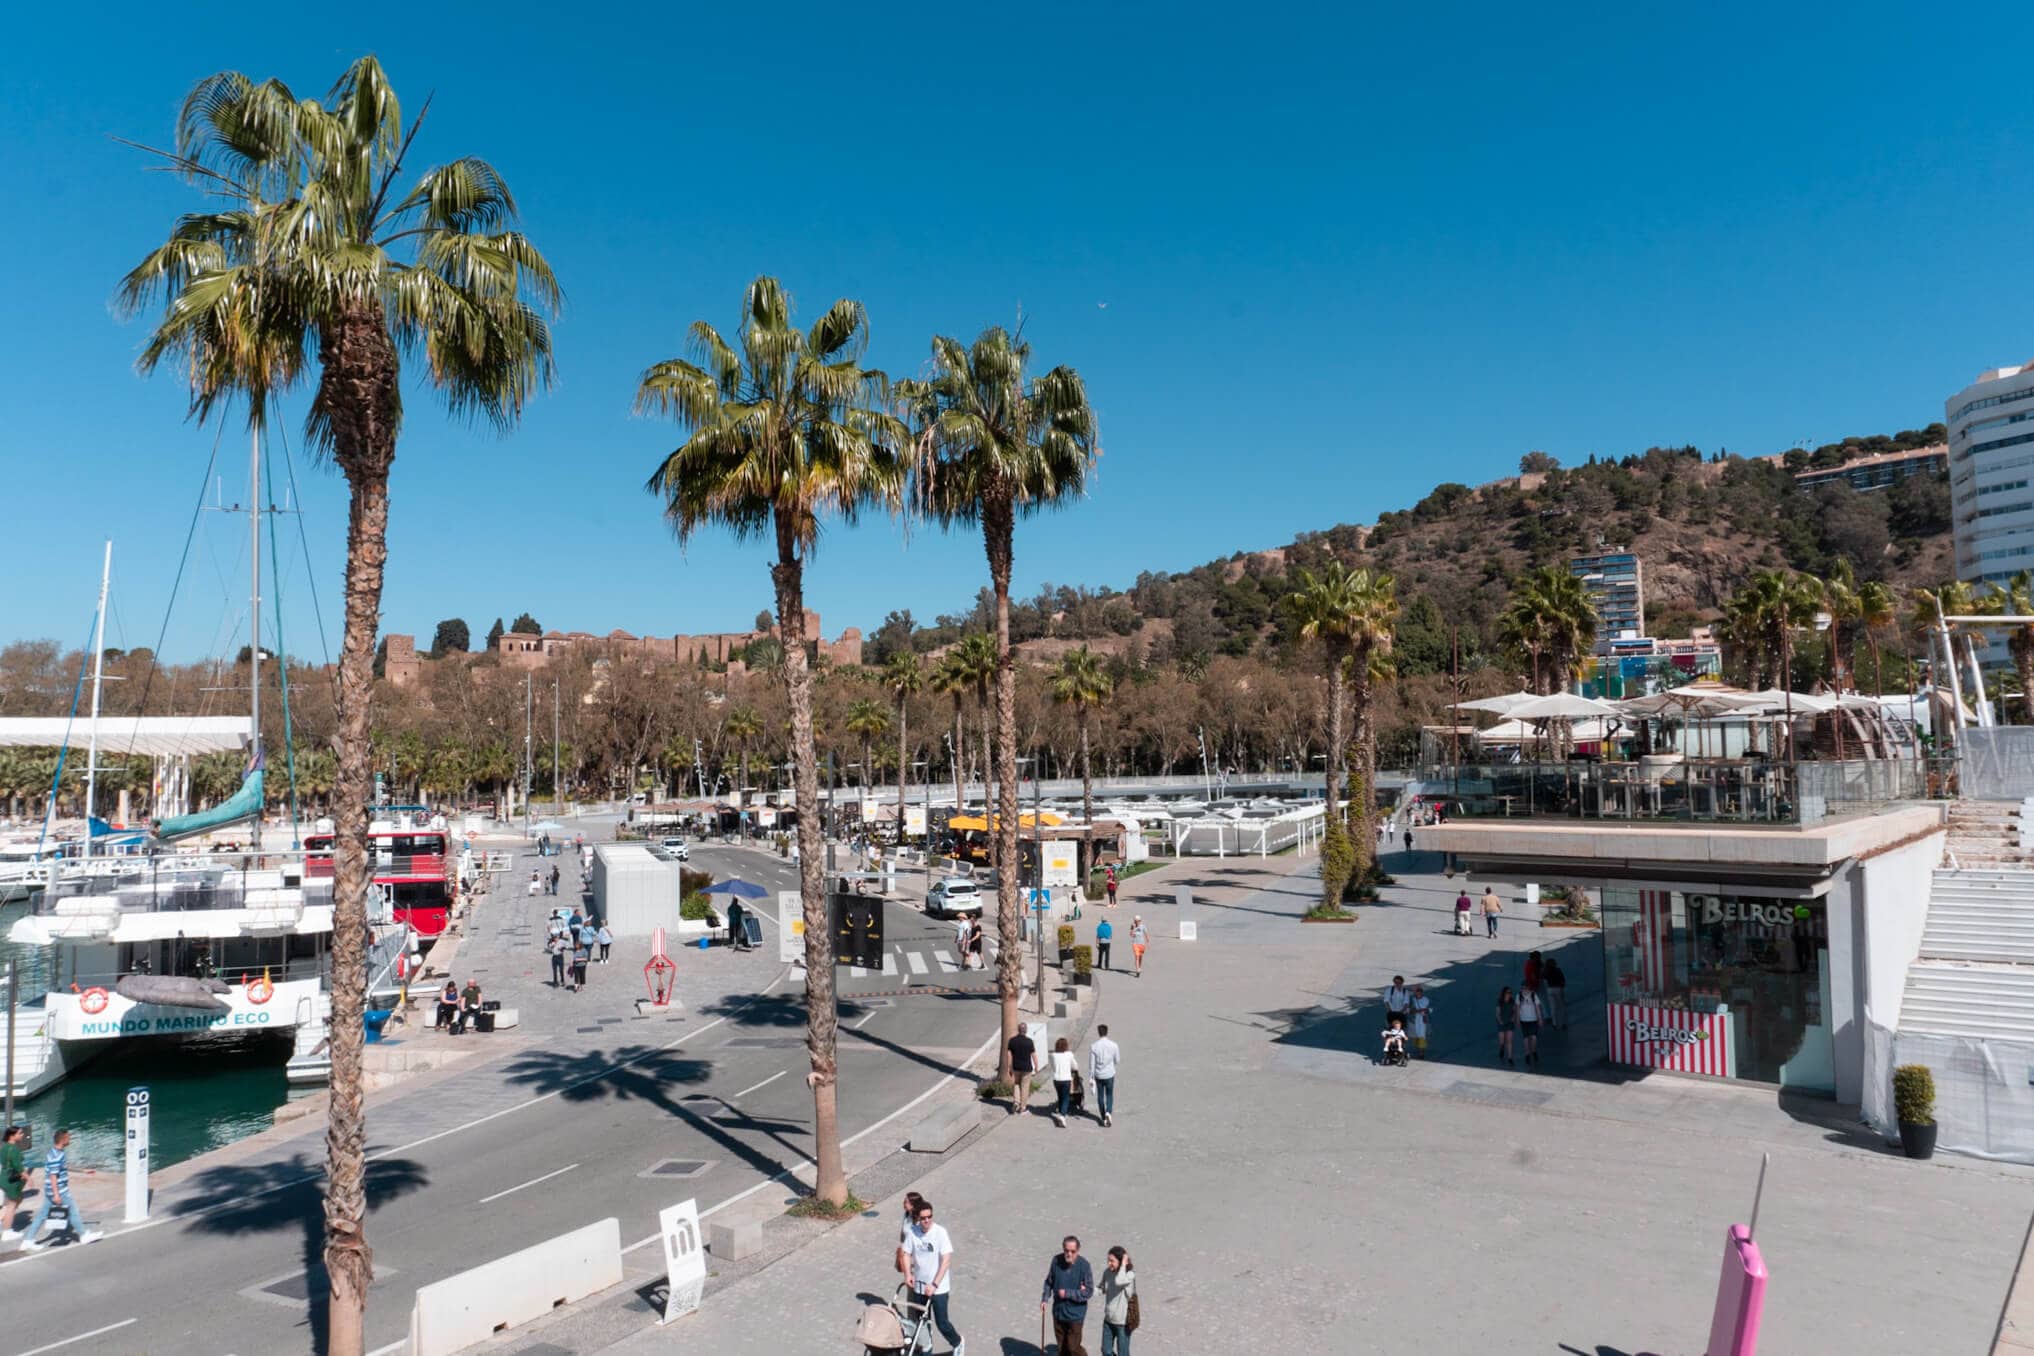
point(722, 1093)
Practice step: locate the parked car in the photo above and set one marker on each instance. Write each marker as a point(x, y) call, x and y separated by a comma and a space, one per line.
point(954, 897)
point(678, 848)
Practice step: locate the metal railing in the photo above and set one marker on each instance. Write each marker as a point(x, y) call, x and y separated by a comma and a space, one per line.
point(1728, 791)
point(181, 883)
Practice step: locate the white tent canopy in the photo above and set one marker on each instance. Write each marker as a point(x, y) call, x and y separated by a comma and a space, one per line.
point(1563, 706)
point(1500, 705)
point(149, 736)
point(1587, 731)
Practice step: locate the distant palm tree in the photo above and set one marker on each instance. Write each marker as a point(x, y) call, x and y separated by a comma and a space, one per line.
point(951, 678)
point(783, 431)
point(1875, 613)
point(1552, 619)
point(977, 651)
point(744, 727)
point(1325, 606)
point(1840, 604)
point(1078, 681)
point(310, 252)
point(904, 676)
point(998, 444)
point(1370, 644)
point(2016, 596)
point(869, 718)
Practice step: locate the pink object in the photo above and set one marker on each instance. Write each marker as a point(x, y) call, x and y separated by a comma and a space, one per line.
point(1671, 1038)
point(661, 973)
point(1740, 1297)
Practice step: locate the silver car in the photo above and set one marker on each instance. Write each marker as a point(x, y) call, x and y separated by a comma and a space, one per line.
point(954, 897)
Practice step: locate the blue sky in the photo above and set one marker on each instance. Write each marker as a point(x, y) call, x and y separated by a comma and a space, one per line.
point(1346, 253)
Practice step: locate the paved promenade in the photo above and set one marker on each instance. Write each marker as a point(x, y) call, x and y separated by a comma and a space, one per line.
point(1279, 1190)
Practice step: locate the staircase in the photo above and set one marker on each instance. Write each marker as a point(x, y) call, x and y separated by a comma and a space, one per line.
point(1988, 833)
point(1974, 978)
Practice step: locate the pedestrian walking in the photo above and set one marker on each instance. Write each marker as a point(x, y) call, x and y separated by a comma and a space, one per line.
point(1383, 834)
point(1119, 1303)
point(1104, 932)
point(1063, 1072)
point(1492, 907)
point(13, 1178)
point(536, 885)
point(1398, 1001)
point(582, 952)
point(1103, 1056)
point(56, 1196)
point(606, 940)
point(1536, 982)
point(554, 878)
point(1422, 1014)
point(555, 944)
point(1529, 1013)
point(929, 1253)
point(1507, 1022)
point(1023, 1063)
point(1140, 937)
point(1408, 838)
point(912, 1200)
point(1557, 991)
point(1069, 1285)
point(1462, 907)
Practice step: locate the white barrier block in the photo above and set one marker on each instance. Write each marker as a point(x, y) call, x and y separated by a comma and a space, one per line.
point(1183, 897)
point(453, 1314)
point(1189, 931)
point(684, 1261)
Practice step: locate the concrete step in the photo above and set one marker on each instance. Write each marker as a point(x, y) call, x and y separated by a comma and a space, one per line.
point(1974, 1001)
point(2015, 950)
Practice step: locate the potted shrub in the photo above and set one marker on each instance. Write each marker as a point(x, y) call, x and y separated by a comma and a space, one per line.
point(1083, 964)
point(1914, 1107)
point(1065, 937)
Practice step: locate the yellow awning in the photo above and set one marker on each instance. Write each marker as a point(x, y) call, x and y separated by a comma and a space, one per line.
point(1024, 821)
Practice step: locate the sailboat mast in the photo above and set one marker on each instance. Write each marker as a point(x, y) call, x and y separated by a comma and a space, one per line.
point(254, 556)
point(98, 677)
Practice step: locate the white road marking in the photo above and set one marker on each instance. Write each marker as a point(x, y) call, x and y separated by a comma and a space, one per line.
point(743, 1195)
point(890, 964)
point(858, 972)
point(918, 965)
point(532, 1182)
point(96, 1332)
point(764, 1084)
point(865, 1018)
point(945, 960)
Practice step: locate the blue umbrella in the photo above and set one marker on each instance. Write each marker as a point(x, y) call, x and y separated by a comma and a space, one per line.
point(740, 889)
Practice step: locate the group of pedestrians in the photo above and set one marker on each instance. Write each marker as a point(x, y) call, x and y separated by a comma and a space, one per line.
point(459, 1008)
point(925, 1257)
point(1140, 940)
point(1104, 1057)
point(1408, 1013)
point(1492, 906)
point(573, 943)
point(1541, 1000)
point(55, 1199)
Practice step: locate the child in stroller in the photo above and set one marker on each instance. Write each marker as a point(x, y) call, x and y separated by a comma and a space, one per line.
point(1394, 1041)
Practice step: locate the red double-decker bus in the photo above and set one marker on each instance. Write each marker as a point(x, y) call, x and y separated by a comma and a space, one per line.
point(413, 866)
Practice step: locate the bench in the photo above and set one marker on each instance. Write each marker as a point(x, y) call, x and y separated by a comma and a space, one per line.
point(944, 1127)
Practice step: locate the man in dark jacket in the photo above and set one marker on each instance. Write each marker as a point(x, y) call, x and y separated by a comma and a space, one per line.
point(1069, 1285)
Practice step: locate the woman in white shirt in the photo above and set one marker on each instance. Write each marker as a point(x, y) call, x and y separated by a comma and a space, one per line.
point(1529, 1024)
point(1062, 1079)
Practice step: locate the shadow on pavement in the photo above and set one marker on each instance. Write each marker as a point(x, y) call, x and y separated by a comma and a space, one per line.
point(651, 1075)
point(289, 1196)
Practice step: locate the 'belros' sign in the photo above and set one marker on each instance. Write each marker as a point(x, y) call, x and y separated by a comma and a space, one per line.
point(1671, 1038)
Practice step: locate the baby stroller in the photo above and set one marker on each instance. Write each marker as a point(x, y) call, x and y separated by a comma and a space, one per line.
point(902, 1325)
point(1394, 1046)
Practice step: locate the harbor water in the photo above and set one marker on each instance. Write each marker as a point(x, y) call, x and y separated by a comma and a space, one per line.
point(206, 1091)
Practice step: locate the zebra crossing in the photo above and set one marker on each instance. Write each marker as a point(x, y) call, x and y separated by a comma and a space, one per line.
point(917, 962)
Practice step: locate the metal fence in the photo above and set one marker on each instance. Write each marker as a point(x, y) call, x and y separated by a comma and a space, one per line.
point(1996, 763)
point(1694, 790)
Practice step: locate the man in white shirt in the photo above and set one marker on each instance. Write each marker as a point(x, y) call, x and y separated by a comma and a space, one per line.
point(929, 1254)
point(1103, 1057)
point(1397, 1001)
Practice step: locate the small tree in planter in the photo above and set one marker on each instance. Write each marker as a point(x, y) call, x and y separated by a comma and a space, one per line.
point(1338, 863)
point(1083, 964)
point(1066, 943)
point(1914, 1108)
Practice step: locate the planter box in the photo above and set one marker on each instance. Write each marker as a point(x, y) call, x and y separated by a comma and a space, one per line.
point(1567, 923)
point(1349, 919)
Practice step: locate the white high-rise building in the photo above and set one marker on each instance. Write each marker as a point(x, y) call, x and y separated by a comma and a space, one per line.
point(1991, 474)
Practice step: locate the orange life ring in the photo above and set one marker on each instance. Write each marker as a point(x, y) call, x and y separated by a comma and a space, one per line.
point(94, 1001)
point(260, 990)
point(403, 966)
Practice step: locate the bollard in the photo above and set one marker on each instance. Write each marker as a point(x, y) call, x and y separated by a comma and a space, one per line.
point(137, 1155)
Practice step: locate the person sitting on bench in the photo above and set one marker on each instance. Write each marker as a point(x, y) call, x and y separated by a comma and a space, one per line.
point(469, 1006)
point(448, 1005)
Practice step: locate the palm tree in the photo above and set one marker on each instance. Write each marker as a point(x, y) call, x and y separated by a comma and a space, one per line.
point(998, 444)
point(1875, 612)
point(1370, 640)
point(977, 653)
point(1552, 620)
point(904, 677)
point(315, 249)
point(1325, 606)
point(1841, 605)
point(869, 718)
point(744, 727)
point(1079, 682)
point(781, 432)
point(950, 678)
point(2016, 596)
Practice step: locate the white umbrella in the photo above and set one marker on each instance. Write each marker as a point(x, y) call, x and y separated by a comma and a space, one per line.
point(1563, 706)
point(1519, 732)
point(1703, 699)
point(1498, 706)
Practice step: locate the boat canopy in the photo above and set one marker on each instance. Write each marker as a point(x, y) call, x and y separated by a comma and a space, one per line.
point(149, 736)
point(244, 804)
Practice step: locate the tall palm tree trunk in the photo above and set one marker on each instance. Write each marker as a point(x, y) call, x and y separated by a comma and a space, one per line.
point(821, 1018)
point(998, 533)
point(359, 360)
point(903, 764)
point(1337, 752)
point(960, 755)
point(1364, 794)
point(1087, 801)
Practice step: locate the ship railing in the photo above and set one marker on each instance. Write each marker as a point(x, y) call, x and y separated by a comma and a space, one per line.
point(303, 967)
point(180, 882)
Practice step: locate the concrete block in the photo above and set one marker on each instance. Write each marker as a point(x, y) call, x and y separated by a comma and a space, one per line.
point(736, 1239)
point(944, 1127)
point(1063, 1010)
point(507, 1019)
point(459, 1311)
